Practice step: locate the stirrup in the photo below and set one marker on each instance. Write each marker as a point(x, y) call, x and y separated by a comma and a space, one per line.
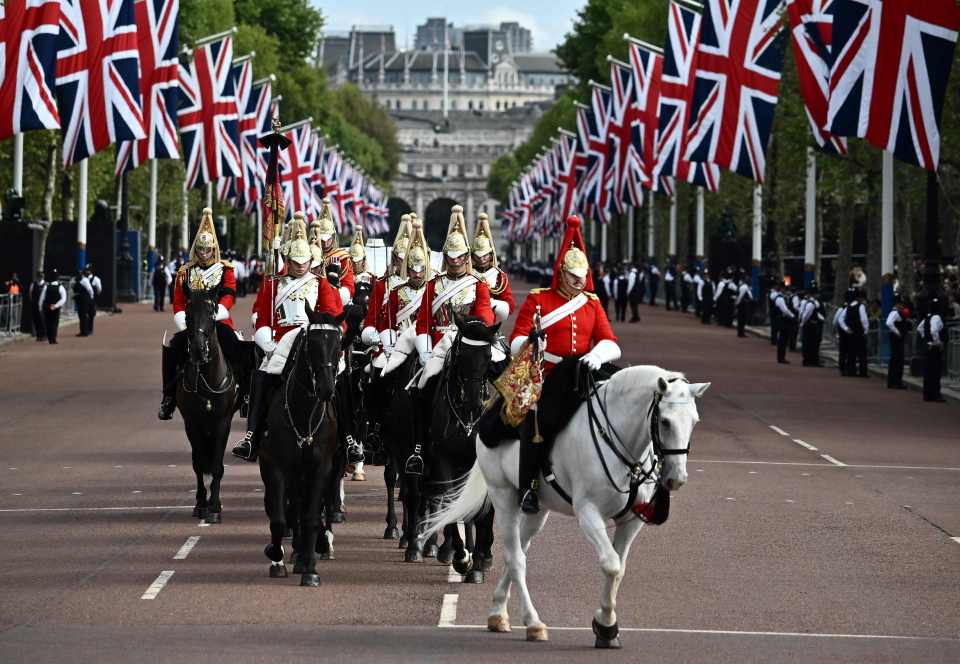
point(414, 464)
point(530, 502)
point(245, 406)
point(354, 450)
point(167, 406)
point(244, 449)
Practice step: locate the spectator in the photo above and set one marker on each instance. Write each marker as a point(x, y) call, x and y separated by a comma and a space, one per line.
point(52, 296)
point(36, 306)
point(13, 285)
point(160, 280)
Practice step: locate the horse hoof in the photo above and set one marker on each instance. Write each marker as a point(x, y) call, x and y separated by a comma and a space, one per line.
point(274, 554)
point(463, 565)
point(403, 543)
point(310, 580)
point(608, 637)
point(430, 551)
point(278, 571)
point(413, 557)
point(391, 533)
point(474, 576)
point(199, 512)
point(326, 555)
point(338, 517)
point(214, 517)
point(537, 633)
point(498, 623)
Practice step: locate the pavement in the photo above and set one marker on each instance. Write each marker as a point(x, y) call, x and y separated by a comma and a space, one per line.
point(821, 523)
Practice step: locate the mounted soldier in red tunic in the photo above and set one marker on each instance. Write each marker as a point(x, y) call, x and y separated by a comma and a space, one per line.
point(328, 259)
point(281, 313)
point(484, 257)
point(565, 320)
point(204, 271)
point(381, 290)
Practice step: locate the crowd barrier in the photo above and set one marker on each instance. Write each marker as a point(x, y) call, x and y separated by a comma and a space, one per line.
point(11, 307)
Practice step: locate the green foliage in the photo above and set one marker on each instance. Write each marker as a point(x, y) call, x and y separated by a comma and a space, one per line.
point(503, 173)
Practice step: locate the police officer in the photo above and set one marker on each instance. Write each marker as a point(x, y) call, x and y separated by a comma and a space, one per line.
point(898, 325)
point(621, 292)
point(36, 304)
point(653, 281)
point(774, 312)
point(855, 324)
point(930, 329)
point(635, 288)
point(670, 286)
point(811, 326)
point(743, 303)
point(52, 297)
point(786, 319)
point(705, 292)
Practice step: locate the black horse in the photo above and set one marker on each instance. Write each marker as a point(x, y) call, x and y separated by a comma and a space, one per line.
point(450, 405)
point(297, 457)
point(206, 398)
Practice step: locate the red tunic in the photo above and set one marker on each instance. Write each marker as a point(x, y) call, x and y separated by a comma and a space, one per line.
point(428, 323)
point(328, 302)
point(388, 319)
point(375, 303)
point(571, 336)
point(342, 256)
point(227, 289)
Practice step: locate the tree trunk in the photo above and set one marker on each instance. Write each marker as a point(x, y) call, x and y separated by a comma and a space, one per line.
point(903, 238)
point(50, 162)
point(66, 195)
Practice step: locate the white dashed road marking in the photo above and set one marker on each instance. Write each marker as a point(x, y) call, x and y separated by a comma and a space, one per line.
point(96, 509)
point(187, 547)
point(779, 431)
point(805, 444)
point(448, 610)
point(829, 458)
point(157, 585)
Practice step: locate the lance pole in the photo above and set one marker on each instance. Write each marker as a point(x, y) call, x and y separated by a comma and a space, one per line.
point(274, 141)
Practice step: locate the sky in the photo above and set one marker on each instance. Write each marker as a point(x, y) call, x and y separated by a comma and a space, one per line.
point(548, 20)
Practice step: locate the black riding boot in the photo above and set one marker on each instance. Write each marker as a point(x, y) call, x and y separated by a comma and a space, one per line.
point(168, 363)
point(260, 392)
point(529, 469)
point(414, 464)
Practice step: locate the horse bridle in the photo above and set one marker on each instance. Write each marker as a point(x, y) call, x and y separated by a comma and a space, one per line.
point(608, 433)
point(227, 378)
point(462, 382)
point(307, 438)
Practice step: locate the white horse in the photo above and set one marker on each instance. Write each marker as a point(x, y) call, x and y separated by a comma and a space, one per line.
point(607, 462)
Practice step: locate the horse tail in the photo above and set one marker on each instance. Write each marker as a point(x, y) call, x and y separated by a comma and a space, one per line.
point(465, 501)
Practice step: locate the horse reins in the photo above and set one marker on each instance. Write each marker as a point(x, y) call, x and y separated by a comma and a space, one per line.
point(304, 439)
point(461, 381)
point(227, 378)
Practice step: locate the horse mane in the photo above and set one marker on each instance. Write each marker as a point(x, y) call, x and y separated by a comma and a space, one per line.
point(475, 329)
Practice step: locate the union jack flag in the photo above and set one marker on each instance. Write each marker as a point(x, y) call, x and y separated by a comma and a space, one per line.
point(891, 64)
point(676, 96)
point(295, 170)
point(208, 114)
point(254, 122)
point(345, 197)
point(331, 190)
point(317, 176)
point(157, 42)
point(570, 160)
point(98, 79)
point(811, 24)
point(739, 60)
point(234, 189)
point(627, 155)
point(590, 177)
point(28, 62)
point(601, 99)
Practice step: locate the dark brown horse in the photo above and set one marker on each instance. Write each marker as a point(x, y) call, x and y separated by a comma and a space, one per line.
point(206, 398)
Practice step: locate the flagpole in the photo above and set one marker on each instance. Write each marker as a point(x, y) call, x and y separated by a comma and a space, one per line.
point(810, 221)
point(651, 227)
point(603, 242)
point(82, 214)
point(672, 249)
point(699, 247)
point(886, 236)
point(757, 239)
point(18, 163)
point(185, 220)
point(210, 195)
point(152, 219)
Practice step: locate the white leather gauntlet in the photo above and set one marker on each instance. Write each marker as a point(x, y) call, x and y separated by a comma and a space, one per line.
point(423, 344)
point(263, 337)
point(604, 351)
point(180, 320)
point(388, 339)
point(501, 310)
point(369, 336)
point(222, 313)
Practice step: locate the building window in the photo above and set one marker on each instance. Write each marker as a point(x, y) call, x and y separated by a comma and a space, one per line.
point(436, 142)
point(481, 105)
point(445, 171)
point(498, 106)
point(470, 105)
point(398, 105)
